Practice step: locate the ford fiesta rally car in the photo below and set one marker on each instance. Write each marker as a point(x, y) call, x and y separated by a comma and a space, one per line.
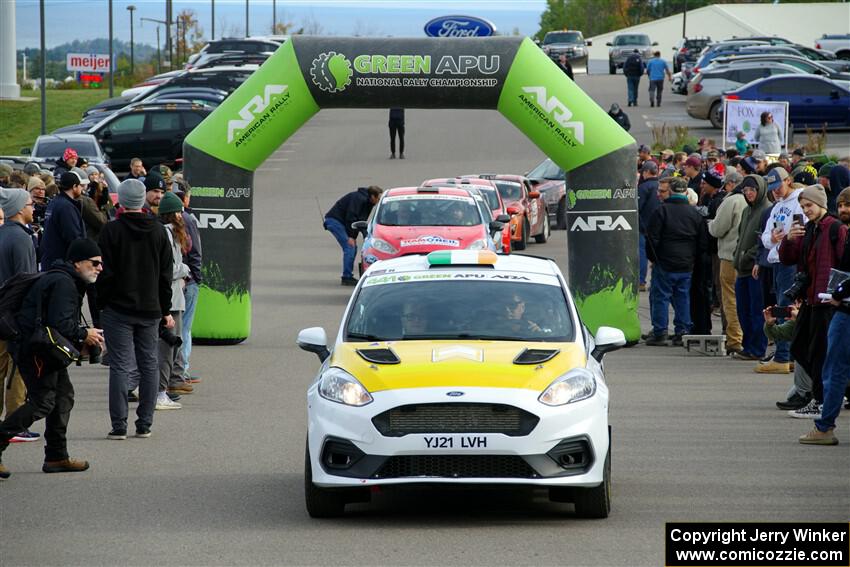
point(459, 367)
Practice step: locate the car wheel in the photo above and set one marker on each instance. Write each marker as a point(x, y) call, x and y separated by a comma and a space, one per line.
point(612, 69)
point(596, 502)
point(321, 502)
point(715, 114)
point(544, 235)
point(523, 241)
point(561, 215)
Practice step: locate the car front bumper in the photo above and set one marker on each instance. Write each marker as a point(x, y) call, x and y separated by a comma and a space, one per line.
point(566, 447)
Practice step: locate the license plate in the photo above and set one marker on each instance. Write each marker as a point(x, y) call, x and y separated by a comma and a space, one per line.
point(455, 442)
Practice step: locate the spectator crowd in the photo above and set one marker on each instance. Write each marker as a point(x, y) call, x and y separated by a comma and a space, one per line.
point(763, 244)
point(135, 253)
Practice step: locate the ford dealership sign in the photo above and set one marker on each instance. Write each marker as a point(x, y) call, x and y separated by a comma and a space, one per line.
point(459, 26)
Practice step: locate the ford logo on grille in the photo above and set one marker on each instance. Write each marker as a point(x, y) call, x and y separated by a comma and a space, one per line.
point(454, 394)
point(459, 26)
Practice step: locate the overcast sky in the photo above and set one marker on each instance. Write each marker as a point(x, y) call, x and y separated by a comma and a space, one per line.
point(66, 20)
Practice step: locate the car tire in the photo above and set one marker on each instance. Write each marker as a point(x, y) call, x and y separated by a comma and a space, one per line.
point(321, 502)
point(561, 214)
point(612, 69)
point(596, 502)
point(522, 243)
point(544, 235)
point(714, 114)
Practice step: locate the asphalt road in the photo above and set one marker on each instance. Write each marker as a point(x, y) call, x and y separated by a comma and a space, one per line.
point(221, 483)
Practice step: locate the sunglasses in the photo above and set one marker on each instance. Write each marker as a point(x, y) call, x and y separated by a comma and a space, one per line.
point(96, 263)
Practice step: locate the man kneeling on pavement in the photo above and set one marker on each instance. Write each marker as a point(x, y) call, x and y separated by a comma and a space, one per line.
point(54, 301)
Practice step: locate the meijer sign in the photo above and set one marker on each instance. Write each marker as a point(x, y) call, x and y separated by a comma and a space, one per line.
point(91, 62)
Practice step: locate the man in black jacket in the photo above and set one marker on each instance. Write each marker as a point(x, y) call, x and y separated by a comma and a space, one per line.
point(620, 117)
point(58, 295)
point(135, 295)
point(676, 237)
point(350, 208)
point(633, 69)
point(63, 222)
point(647, 204)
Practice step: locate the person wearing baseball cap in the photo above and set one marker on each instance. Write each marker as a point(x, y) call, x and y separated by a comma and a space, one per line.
point(63, 219)
point(824, 239)
point(692, 169)
point(797, 156)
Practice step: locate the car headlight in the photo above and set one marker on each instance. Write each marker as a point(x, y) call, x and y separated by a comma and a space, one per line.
point(576, 385)
point(339, 386)
point(383, 246)
point(477, 245)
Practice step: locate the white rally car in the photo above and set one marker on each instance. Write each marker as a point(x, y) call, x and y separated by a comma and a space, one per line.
point(460, 367)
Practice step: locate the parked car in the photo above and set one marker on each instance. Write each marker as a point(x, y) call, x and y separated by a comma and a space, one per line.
point(812, 67)
point(233, 60)
point(525, 205)
point(149, 83)
point(813, 101)
point(771, 39)
point(549, 179)
point(726, 48)
point(246, 45)
point(50, 147)
point(837, 43)
point(687, 50)
point(705, 92)
point(153, 132)
point(567, 42)
point(623, 46)
point(197, 95)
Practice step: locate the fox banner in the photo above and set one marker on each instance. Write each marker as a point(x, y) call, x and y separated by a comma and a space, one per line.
point(507, 74)
point(745, 116)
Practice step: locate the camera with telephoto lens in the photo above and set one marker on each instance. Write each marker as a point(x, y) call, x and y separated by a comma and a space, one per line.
point(168, 337)
point(94, 354)
point(798, 288)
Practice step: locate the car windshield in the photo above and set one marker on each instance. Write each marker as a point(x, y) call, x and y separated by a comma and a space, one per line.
point(489, 194)
point(632, 39)
point(428, 210)
point(398, 307)
point(55, 148)
point(696, 43)
point(562, 37)
point(509, 190)
point(548, 169)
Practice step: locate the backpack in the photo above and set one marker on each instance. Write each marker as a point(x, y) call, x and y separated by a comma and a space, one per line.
point(12, 294)
point(632, 66)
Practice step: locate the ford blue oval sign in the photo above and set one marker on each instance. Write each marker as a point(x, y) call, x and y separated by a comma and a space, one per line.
point(459, 26)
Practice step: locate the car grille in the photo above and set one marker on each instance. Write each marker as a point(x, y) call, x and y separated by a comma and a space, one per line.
point(455, 418)
point(456, 466)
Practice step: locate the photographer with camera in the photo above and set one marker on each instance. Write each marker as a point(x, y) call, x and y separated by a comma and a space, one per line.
point(815, 249)
point(779, 325)
point(54, 302)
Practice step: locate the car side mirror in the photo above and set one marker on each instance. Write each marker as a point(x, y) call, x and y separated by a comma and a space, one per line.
point(654, 43)
point(314, 340)
point(496, 226)
point(608, 339)
point(535, 182)
point(359, 225)
point(26, 151)
point(503, 218)
point(609, 44)
point(589, 43)
point(533, 194)
point(106, 134)
point(513, 210)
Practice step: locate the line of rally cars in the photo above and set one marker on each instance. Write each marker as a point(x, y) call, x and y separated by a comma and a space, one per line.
point(470, 212)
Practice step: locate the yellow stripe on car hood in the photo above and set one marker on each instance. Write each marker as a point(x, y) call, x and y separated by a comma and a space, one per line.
point(426, 364)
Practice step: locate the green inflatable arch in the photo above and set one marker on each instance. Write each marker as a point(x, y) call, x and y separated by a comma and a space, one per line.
point(511, 75)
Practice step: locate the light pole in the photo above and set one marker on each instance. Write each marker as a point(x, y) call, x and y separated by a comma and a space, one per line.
point(43, 70)
point(246, 19)
point(213, 18)
point(131, 8)
point(111, 61)
point(274, 16)
point(158, 52)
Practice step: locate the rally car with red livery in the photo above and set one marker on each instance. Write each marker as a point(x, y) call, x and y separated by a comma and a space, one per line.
point(529, 216)
point(419, 220)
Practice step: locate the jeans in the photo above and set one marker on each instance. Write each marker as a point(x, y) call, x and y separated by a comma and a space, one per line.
point(132, 345)
point(783, 278)
point(656, 86)
point(749, 305)
point(348, 251)
point(644, 261)
point(836, 369)
point(50, 395)
point(191, 294)
point(669, 286)
point(632, 83)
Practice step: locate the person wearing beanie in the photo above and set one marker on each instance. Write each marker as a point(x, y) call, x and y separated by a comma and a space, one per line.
point(134, 295)
point(620, 117)
point(5, 173)
point(843, 205)
point(54, 299)
point(63, 221)
point(676, 238)
point(815, 249)
point(154, 191)
point(64, 164)
point(804, 173)
point(839, 179)
point(170, 375)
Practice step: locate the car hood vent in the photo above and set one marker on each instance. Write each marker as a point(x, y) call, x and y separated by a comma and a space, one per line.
point(536, 355)
point(379, 355)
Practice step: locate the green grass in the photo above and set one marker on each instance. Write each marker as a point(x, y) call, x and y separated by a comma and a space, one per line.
point(21, 120)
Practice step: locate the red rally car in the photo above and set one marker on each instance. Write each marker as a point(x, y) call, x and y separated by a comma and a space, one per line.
point(529, 215)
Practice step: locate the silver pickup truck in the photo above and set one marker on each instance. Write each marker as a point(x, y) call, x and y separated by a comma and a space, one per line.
point(837, 43)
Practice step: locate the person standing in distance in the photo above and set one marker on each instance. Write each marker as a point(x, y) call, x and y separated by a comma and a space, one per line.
point(134, 294)
point(58, 295)
point(633, 68)
point(397, 127)
point(350, 208)
point(656, 69)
